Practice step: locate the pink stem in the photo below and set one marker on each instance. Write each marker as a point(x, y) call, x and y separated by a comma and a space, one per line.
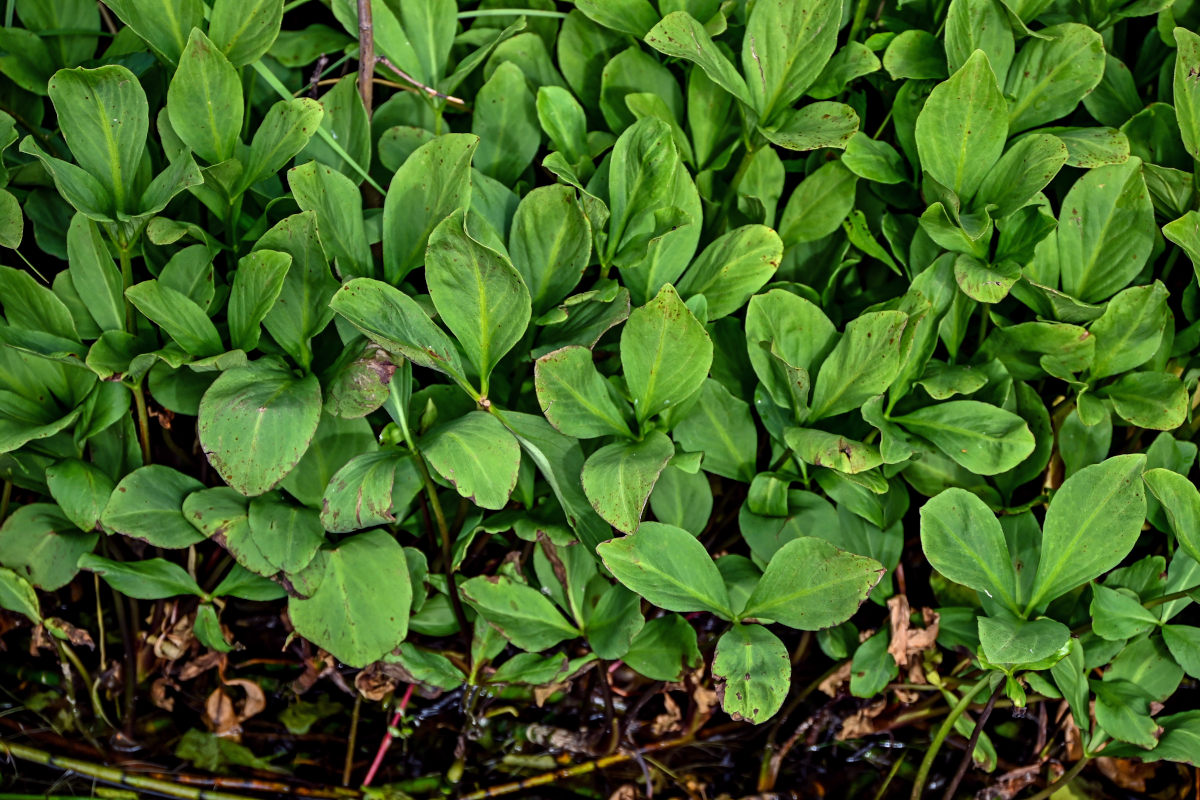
point(387, 737)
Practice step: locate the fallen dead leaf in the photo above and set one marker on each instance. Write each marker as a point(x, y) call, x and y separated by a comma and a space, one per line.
point(1126, 772)
point(1010, 784)
point(834, 683)
point(670, 721)
point(862, 722)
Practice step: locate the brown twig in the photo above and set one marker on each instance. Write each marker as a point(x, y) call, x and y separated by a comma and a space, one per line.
point(366, 55)
point(454, 101)
point(974, 740)
point(348, 766)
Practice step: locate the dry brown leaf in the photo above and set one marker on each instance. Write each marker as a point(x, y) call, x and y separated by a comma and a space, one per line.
point(220, 714)
point(862, 722)
point(379, 680)
point(834, 683)
point(670, 721)
point(201, 664)
point(1126, 772)
point(626, 791)
point(158, 694)
point(1010, 784)
point(76, 636)
point(570, 741)
point(255, 701)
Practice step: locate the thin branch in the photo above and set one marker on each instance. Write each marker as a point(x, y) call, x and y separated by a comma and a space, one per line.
point(366, 55)
point(454, 101)
point(974, 740)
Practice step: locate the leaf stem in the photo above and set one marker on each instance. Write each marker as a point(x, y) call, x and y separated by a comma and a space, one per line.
point(143, 422)
point(126, 282)
point(969, 755)
point(5, 499)
point(447, 545)
point(940, 737)
point(1067, 777)
point(348, 767)
point(860, 14)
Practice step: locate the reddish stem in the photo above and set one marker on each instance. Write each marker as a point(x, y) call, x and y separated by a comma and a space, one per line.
point(387, 737)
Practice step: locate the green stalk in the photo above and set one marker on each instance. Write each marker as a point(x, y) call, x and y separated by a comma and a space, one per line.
point(126, 282)
point(1067, 777)
point(940, 737)
point(143, 422)
point(111, 775)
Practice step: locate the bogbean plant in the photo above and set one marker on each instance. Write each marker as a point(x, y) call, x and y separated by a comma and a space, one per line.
point(611, 317)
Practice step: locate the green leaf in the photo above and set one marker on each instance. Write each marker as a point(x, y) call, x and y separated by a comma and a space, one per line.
point(477, 455)
point(303, 308)
point(505, 120)
point(614, 622)
point(256, 422)
point(164, 24)
point(478, 294)
point(680, 35)
point(981, 437)
point(223, 514)
point(432, 183)
point(81, 490)
point(429, 668)
point(17, 595)
point(179, 317)
point(94, 275)
point(664, 648)
point(1093, 522)
point(665, 353)
point(785, 48)
point(1016, 642)
point(521, 613)
point(245, 29)
point(1023, 171)
point(863, 364)
point(560, 460)
point(753, 673)
point(1106, 232)
point(963, 541)
point(809, 585)
point(43, 546)
point(720, 426)
point(978, 25)
point(337, 203)
point(256, 286)
point(1181, 501)
point(619, 477)
point(987, 283)
point(1184, 643)
point(823, 449)
point(1118, 614)
point(371, 489)
point(397, 323)
point(283, 132)
point(360, 610)
point(550, 243)
point(641, 177)
point(1052, 73)
point(1153, 400)
point(576, 399)
point(818, 205)
point(149, 579)
point(241, 583)
point(1130, 330)
point(683, 499)
point(288, 536)
point(915, 53)
point(204, 101)
point(816, 125)
point(104, 117)
point(732, 268)
point(961, 130)
point(668, 567)
point(148, 505)
point(634, 17)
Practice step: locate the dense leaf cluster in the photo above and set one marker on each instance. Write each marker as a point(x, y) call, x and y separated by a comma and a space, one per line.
point(578, 326)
